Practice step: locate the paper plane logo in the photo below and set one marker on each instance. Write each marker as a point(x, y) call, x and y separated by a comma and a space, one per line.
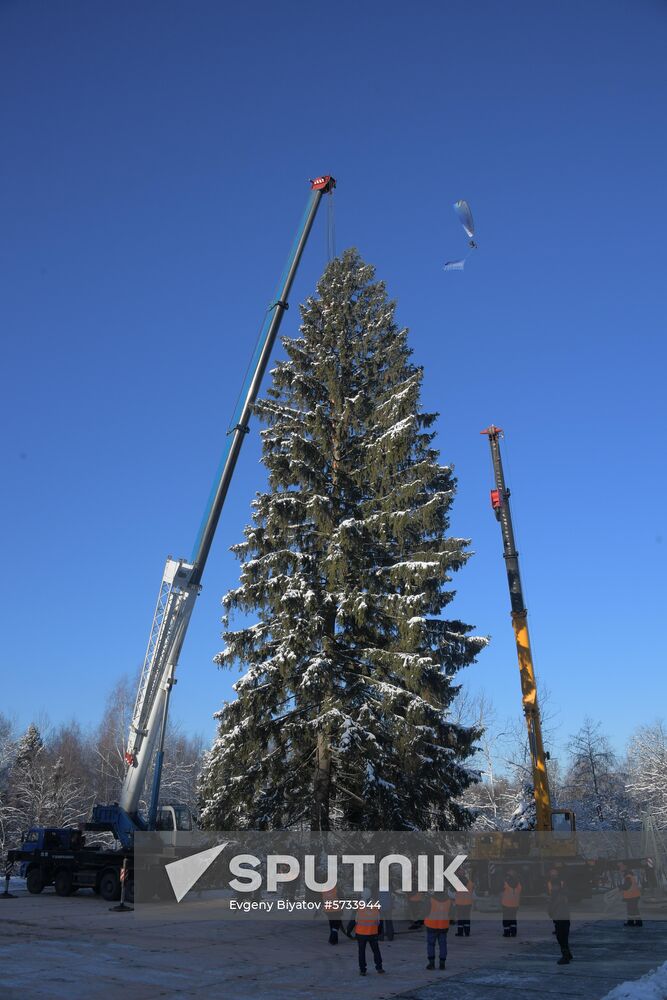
point(185, 873)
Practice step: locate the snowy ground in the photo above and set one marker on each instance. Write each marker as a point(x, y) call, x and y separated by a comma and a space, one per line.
point(650, 987)
point(76, 948)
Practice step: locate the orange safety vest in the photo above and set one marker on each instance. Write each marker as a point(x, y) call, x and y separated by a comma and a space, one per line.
point(365, 926)
point(464, 898)
point(511, 897)
point(634, 892)
point(438, 918)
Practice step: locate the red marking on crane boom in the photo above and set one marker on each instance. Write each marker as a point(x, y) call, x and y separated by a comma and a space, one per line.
point(325, 183)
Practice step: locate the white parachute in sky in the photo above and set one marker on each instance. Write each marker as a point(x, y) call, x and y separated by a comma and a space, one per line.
point(462, 209)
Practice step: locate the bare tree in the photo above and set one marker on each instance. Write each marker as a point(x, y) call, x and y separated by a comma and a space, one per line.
point(182, 764)
point(491, 799)
point(595, 782)
point(110, 740)
point(513, 741)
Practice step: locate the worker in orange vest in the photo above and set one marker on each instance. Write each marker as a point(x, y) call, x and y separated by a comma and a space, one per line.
point(329, 895)
point(463, 900)
point(510, 900)
point(631, 893)
point(366, 930)
point(437, 925)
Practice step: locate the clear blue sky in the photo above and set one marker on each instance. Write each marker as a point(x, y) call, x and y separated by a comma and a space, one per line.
point(154, 168)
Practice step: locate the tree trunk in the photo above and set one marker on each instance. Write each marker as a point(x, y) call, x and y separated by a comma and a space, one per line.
point(320, 818)
point(322, 785)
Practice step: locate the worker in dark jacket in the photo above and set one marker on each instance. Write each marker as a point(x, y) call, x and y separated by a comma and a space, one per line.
point(559, 911)
point(416, 909)
point(386, 901)
point(330, 896)
point(552, 879)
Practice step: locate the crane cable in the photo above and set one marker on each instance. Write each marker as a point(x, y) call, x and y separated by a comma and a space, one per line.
point(331, 253)
point(331, 227)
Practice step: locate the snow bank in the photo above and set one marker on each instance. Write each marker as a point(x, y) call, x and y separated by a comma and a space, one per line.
point(652, 986)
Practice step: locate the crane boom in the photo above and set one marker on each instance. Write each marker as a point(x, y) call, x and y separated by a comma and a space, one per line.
point(500, 501)
point(181, 580)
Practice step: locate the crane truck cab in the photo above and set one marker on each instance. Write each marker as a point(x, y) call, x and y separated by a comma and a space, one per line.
point(563, 821)
point(174, 816)
point(42, 842)
point(176, 825)
point(48, 838)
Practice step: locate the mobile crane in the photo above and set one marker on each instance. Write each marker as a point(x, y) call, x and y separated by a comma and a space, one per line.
point(562, 850)
point(547, 818)
point(53, 856)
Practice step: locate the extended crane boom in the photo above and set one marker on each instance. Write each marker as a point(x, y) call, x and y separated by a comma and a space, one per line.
point(181, 580)
point(546, 817)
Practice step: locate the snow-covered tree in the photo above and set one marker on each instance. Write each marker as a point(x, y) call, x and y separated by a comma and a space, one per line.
point(27, 784)
point(647, 771)
point(182, 764)
point(52, 777)
point(29, 747)
point(342, 717)
point(524, 816)
point(63, 800)
point(7, 756)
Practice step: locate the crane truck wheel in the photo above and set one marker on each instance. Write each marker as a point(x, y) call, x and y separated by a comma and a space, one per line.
point(63, 882)
point(110, 885)
point(34, 881)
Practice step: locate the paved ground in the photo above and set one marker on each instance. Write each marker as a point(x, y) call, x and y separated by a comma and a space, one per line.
point(605, 954)
point(52, 948)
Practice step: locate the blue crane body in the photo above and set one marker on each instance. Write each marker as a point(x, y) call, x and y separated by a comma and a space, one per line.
point(179, 589)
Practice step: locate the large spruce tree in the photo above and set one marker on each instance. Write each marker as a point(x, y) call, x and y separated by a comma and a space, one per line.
point(341, 719)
